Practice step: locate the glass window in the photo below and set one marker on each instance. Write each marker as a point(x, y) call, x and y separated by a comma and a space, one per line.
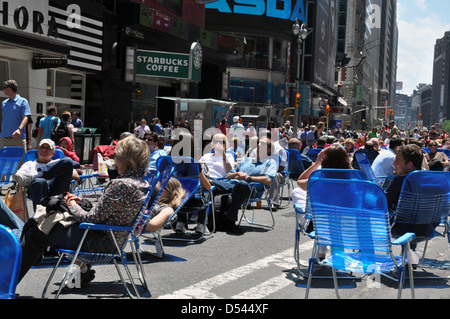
point(68, 85)
point(4, 71)
point(66, 91)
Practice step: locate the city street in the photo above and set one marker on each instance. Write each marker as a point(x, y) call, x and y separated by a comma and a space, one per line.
point(258, 265)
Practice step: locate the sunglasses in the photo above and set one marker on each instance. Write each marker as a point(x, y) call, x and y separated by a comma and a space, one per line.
point(148, 139)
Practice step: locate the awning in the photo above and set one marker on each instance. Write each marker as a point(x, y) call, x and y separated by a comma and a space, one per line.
point(325, 89)
point(190, 100)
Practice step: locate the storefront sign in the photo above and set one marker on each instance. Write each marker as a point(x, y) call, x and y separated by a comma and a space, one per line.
point(162, 64)
point(34, 17)
point(76, 25)
point(48, 63)
point(170, 65)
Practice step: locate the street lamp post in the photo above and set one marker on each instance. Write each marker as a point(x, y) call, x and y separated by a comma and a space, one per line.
point(301, 33)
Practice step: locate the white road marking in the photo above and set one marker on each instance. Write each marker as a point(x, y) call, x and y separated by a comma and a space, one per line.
point(202, 290)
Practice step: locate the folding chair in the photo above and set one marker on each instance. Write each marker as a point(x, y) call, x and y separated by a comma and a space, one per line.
point(32, 155)
point(295, 165)
point(187, 167)
point(285, 172)
point(366, 167)
point(303, 215)
point(89, 182)
point(101, 257)
point(10, 262)
point(357, 230)
point(259, 192)
point(424, 204)
point(190, 186)
point(10, 159)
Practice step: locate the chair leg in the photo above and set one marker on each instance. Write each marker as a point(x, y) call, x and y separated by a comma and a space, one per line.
point(335, 282)
point(138, 262)
point(66, 274)
point(123, 280)
point(312, 262)
point(411, 276)
point(51, 276)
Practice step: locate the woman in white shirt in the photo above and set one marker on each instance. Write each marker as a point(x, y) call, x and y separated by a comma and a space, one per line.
point(142, 129)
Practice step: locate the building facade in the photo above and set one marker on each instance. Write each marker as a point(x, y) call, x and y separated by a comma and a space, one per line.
point(50, 48)
point(440, 110)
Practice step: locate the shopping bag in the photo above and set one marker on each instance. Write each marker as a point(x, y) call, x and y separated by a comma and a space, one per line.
point(102, 167)
point(16, 202)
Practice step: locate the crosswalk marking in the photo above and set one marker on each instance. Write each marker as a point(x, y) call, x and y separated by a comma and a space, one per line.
point(202, 290)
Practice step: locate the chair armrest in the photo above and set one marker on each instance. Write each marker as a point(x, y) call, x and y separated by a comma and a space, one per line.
point(298, 209)
point(105, 227)
point(406, 238)
point(209, 191)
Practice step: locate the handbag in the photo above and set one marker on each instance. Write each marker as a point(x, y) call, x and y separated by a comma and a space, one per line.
point(16, 202)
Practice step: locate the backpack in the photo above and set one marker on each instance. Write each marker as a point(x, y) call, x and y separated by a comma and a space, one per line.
point(59, 131)
point(221, 204)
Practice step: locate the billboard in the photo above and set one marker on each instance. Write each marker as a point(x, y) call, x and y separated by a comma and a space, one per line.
point(274, 16)
point(325, 42)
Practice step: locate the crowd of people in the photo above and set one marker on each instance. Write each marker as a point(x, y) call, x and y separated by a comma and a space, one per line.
point(231, 161)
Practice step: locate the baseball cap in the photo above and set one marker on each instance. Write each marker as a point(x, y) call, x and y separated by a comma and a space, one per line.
point(236, 119)
point(49, 142)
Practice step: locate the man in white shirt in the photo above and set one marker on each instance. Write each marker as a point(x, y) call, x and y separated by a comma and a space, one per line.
point(44, 176)
point(383, 165)
point(251, 131)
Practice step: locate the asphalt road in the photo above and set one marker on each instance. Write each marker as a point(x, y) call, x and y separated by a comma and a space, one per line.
point(235, 271)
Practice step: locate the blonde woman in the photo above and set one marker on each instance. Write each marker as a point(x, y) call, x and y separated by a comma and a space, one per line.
point(119, 205)
point(169, 201)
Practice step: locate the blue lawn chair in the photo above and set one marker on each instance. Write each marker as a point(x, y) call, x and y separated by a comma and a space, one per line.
point(10, 158)
point(32, 155)
point(304, 216)
point(103, 258)
point(354, 221)
point(10, 262)
point(285, 172)
point(190, 187)
point(295, 164)
point(366, 168)
point(424, 204)
point(188, 167)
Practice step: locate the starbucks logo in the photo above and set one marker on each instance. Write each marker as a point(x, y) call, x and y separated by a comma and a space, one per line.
point(197, 55)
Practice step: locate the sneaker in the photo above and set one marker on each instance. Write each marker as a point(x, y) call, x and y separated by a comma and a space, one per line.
point(23, 179)
point(87, 276)
point(180, 228)
point(200, 229)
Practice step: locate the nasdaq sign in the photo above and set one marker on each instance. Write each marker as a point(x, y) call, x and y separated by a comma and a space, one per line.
point(279, 9)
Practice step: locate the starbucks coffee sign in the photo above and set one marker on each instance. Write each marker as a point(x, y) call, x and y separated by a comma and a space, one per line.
point(169, 65)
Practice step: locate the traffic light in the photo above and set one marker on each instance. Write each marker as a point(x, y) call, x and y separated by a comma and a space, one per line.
point(297, 100)
point(328, 110)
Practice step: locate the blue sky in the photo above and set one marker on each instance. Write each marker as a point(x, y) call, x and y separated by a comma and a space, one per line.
point(420, 23)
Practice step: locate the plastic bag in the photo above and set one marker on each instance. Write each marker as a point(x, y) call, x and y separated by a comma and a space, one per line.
point(16, 202)
point(102, 167)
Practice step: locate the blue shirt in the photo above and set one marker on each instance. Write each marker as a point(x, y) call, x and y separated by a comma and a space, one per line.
point(266, 167)
point(157, 128)
point(312, 153)
point(310, 135)
point(13, 112)
point(154, 157)
point(47, 125)
point(77, 123)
